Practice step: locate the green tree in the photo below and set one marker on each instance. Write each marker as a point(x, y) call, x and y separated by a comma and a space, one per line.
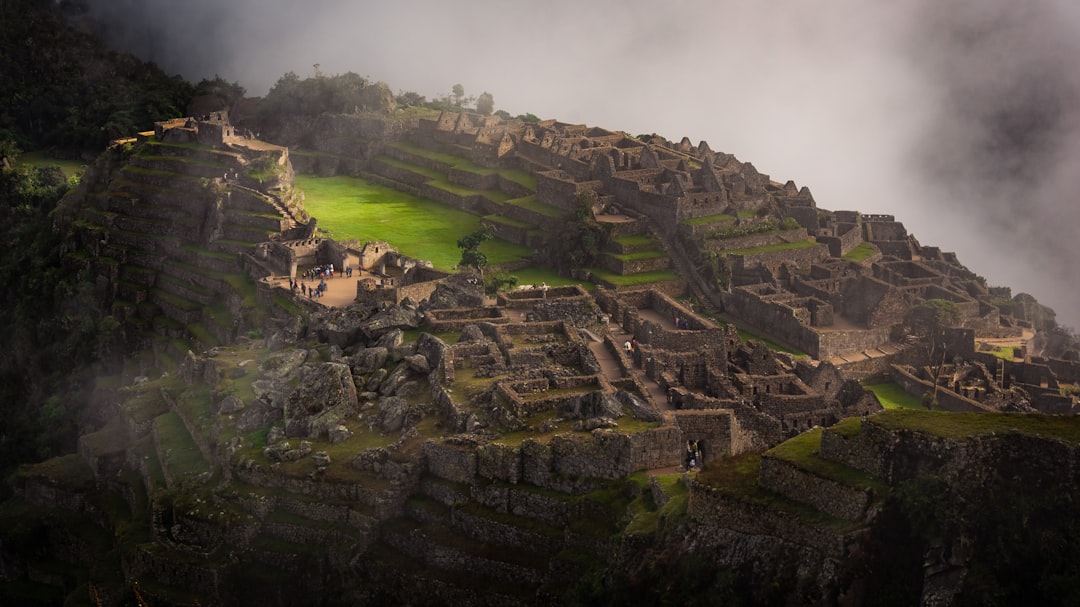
point(580, 241)
point(410, 99)
point(485, 103)
point(458, 93)
point(471, 255)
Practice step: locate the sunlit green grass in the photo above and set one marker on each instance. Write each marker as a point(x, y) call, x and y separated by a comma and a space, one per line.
point(349, 208)
point(41, 159)
point(631, 280)
point(892, 396)
point(534, 275)
point(861, 252)
point(746, 335)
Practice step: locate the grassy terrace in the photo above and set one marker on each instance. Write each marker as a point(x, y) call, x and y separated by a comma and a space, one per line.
point(892, 396)
point(747, 335)
point(414, 168)
point(349, 208)
point(633, 280)
point(522, 178)
point(963, 425)
point(524, 225)
point(70, 168)
point(770, 248)
point(636, 240)
point(802, 451)
point(737, 477)
point(534, 275)
point(861, 252)
point(534, 204)
point(648, 254)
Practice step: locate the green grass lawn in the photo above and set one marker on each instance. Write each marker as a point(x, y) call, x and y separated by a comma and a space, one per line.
point(892, 396)
point(534, 275)
point(632, 280)
point(350, 208)
point(860, 252)
point(41, 159)
point(746, 335)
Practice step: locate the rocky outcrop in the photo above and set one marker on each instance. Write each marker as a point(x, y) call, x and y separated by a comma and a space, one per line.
point(324, 397)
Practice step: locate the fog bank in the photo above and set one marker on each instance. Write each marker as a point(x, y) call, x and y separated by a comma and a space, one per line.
point(959, 118)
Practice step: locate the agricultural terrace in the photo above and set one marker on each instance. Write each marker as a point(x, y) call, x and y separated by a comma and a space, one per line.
point(349, 208)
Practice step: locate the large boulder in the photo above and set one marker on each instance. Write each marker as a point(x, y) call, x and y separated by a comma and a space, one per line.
point(590, 405)
point(418, 363)
point(324, 396)
point(340, 327)
point(368, 360)
point(258, 414)
point(396, 413)
point(394, 317)
point(432, 348)
point(462, 290)
point(282, 365)
point(638, 407)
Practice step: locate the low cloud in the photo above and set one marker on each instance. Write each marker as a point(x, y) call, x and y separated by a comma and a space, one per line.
point(960, 118)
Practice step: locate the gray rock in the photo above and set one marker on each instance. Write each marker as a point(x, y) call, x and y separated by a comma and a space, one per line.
point(394, 317)
point(276, 451)
point(321, 459)
point(638, 407)
point(323, 397)
point(368, 360)
point(230, 404)
point(396, 377)
point(418, 363)
point(376, 380)
point(257, 415)
point(396, 413)
point(405, 349)
point(432, 348)
point(392, 339)
point(339, 434)
point(593, 404)
point(471, 333)
point(275, 434)
point(283, 365)
point(370, 459)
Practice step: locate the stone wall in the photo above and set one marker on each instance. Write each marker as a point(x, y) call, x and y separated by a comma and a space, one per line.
point(618, 265)
point(898, 455)
point(711, 507)
point(711, 429)
point(454, 320)
point(797, 484)
point(452, 462)
point(947, 399)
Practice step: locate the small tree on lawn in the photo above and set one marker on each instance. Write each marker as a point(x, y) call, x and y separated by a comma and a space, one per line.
point(471, 255)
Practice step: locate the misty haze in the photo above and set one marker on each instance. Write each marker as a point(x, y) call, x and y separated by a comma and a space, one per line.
point(959, 118)
point(527, 303)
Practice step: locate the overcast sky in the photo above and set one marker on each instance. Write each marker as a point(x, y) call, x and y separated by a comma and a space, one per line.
point(961, 117)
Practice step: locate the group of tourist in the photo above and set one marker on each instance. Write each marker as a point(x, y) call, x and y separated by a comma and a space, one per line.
point(315, 292)
point(321, 272)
